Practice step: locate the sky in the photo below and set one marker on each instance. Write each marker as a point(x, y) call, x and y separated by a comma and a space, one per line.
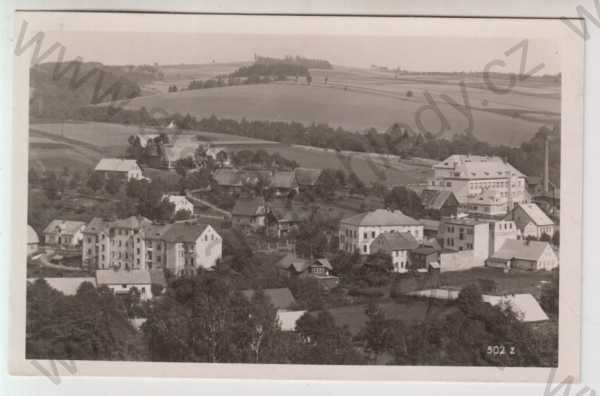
point(408, 53)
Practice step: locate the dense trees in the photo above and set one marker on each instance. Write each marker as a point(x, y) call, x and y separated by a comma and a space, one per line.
point(91, 325)
point(204, 319)
point(325, 343)
point(405, 200)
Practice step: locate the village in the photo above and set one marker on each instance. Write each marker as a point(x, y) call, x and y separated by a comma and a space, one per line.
point(478, 220)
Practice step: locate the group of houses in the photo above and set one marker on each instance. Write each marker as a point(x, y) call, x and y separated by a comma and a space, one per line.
point(486, 219)
point(281, 182)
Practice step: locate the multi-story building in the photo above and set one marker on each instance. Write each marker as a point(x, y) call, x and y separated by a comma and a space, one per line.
point(118, 244)
point(356, 233)
point(471, 176)
point(135, 243)
point(500, 231)
point(466, 233)
point(191, 246)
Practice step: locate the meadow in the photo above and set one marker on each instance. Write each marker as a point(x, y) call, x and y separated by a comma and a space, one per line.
point(358, 99)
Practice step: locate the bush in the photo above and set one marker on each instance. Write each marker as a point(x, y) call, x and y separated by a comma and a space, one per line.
point(366, 292)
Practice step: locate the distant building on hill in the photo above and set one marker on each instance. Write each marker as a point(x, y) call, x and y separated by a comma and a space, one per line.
point(356, 233)
point(124, 168)
point(64, 233)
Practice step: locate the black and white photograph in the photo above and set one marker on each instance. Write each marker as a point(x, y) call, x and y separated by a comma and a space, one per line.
point(312, 192)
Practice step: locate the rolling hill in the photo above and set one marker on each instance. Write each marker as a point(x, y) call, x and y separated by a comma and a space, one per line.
point(358, 99)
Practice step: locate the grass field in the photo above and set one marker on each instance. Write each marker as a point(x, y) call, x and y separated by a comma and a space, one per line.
point(359, 99)
point(80, 145)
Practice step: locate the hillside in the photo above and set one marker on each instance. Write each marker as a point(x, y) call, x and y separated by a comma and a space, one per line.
point(57, 90)
point(358, 99)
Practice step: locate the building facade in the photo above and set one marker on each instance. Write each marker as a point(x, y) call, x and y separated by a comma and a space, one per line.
point(459, 234)
point(356, 233)
point(471, 176)
point(532, 221)
point(64, 233)
point(137, 244)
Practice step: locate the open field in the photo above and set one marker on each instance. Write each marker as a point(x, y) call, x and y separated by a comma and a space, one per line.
point(358, 99)
point(81, 144)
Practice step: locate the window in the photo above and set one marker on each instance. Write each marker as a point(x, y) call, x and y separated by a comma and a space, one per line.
point(373, 234)
point(138, 250)
point(365, 235)
point(365, 248)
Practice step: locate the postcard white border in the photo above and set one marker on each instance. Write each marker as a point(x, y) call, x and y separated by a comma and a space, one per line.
point(571, 214)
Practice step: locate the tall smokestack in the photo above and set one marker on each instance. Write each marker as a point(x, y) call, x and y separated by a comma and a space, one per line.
point(546, 164)
point(509, 180)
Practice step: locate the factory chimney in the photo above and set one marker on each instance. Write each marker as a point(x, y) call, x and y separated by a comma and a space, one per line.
point(546, 163)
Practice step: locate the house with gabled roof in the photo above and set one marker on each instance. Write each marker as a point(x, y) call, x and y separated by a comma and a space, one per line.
point(249, 213)
point(356, 233)
point(191, 246)
point(531, 220)
point(440, 203)
point(282, 222)
point(283, 183)
point(124, 168)
point(64, 233)
point(397, 245)
point(524, 255)
point(307, 178)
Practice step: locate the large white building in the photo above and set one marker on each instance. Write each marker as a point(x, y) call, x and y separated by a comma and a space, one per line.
point(356, 233)
point(137, 244)
point(482, 185)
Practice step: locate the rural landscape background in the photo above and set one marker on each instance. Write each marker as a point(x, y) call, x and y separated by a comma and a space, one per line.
point(381, 127)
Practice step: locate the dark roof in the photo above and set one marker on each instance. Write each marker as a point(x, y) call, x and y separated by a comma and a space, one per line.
point(307, 176)
point(249, 207)
point(323, 262)
point(393, 241)
point(381, 217)
point(281, 298)
point(183, 232)
point(131, 222)
point(157, 276)
point(284, 180)
point(425, 249)
point(435, 199)
point(95, 226)
point(290, 261)
point(155, 231)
